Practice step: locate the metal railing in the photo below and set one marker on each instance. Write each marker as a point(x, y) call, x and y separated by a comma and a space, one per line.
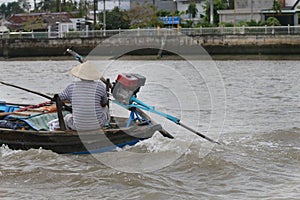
point(250, 30)
point(201, 31)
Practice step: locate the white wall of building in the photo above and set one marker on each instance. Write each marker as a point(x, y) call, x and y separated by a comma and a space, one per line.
point(259, 4)
point(111, 4)
point(182, 6)
point(290, 3)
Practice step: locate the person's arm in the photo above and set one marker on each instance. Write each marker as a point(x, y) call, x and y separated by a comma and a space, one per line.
point(104, 100)
point(66, 93)
point(103, 95)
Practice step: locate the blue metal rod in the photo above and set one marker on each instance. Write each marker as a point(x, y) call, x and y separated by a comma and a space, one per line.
point(135, 103)
point(145, 106)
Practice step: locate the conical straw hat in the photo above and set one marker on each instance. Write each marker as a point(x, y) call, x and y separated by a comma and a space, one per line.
point(86, 71)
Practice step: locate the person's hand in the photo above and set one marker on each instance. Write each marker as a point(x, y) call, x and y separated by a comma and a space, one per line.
point(54, 98)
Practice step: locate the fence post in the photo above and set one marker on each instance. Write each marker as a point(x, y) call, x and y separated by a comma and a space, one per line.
point(289, 31)
point(86, 30)
point(49, 31)
point(266, 29)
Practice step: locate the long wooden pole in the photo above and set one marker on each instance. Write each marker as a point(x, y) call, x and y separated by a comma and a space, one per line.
point(34, 92)
point(27, 90)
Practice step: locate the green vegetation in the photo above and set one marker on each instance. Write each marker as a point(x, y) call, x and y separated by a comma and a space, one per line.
point(58, 6)
point(115, 19)
point(11, 8)
point(23, 6)
point(218, 5)
point(141, 16)
point(272, 21)
point(192, 10)
point(277, 6)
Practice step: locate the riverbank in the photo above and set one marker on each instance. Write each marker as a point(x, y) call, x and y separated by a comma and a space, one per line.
point(220, 47)
point(168, 57)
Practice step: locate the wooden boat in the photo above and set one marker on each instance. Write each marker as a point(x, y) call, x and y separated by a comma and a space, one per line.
point(120, 131)
point(117, 134)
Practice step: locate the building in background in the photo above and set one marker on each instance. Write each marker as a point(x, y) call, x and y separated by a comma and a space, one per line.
point(40, 22)
point(182, 6)
point(245, 10)
point(260, 10)
point(111, 4)
point(169, 5)
point(289, 14)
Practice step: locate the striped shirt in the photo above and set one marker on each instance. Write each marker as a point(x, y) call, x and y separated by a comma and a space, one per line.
point(86, 98)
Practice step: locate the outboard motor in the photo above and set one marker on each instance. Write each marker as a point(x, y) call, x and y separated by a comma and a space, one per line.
point(127, 85)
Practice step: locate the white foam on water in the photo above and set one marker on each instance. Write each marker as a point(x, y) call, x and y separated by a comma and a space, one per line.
point(6, 151)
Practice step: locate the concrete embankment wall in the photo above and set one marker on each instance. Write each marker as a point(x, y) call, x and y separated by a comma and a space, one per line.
point(214, 44)
point(44, 47)
point(251, 44)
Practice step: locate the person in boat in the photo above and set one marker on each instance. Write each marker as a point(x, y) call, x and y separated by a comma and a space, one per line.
point(88, 98)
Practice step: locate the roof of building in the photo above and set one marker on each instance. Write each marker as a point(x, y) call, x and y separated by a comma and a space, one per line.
point(37, 20)
point(296, 3)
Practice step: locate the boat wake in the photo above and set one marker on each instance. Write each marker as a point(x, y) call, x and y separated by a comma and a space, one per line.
point(267, 159)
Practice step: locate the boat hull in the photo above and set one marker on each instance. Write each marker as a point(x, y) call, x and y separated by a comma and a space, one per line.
point(76, 143)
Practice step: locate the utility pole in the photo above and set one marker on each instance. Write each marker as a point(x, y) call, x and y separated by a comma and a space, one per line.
point(211, 11)
point(86, 9)
point(104, 16)
point(234, 17)
point(251, 9)
point(95, 15)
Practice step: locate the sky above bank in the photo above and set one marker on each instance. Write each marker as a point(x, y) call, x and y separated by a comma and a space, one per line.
point(6, 1)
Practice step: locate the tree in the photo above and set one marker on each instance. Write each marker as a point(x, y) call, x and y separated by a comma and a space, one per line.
point(272, 21)
point(67, 6)
point(276, 7)
point(115, 19)
point(46, 5)
point(25, 5)
point(10, 9)
point(192, 10)
point(217, 5)
point(143, 16)
point(82, 9)
point(231, 4)
point(57, 6)
point(163, 13)
point(3, 10)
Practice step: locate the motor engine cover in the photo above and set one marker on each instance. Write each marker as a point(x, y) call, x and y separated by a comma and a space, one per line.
point(127, 85)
